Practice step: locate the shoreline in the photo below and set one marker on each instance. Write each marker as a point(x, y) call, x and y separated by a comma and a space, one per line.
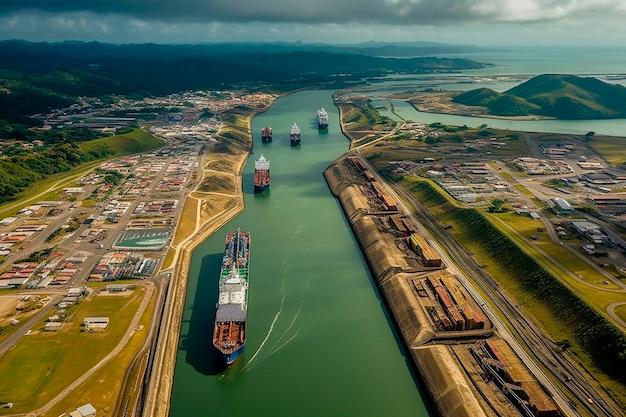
point(158, 399)
point(450, 390)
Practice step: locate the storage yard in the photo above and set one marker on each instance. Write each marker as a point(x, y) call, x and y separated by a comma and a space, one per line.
point(467, 368)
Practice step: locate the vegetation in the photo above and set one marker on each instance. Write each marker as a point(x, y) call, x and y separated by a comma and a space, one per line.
point(586, 330)
point(35, 77)
point(359, 114)
point(559, 96)
point(37, 359)
point(18, 172)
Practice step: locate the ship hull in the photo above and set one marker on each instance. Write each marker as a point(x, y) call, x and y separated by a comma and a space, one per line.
point(322, 126)
point(266, 139)
point(229, 358)
point(230, 329)
point(258, 189)
point(295, 142)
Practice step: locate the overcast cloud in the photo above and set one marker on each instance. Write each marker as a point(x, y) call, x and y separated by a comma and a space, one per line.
point(334, 21)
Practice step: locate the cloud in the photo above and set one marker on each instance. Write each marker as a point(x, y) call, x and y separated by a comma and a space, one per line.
point(331, 21)
point(387, 12)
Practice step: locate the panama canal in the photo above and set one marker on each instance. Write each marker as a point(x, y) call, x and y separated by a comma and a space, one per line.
point(319, 339)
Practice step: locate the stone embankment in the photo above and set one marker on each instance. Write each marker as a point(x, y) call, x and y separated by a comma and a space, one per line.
point(393, 266)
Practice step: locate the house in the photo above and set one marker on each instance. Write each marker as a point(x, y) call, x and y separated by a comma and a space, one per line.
point(96, 323)
point(86, 410)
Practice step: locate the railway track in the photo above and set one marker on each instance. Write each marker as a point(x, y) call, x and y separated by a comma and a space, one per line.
point(573, 383)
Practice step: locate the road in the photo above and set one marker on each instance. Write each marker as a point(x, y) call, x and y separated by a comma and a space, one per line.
point(23, 329)
point(132, 328)
point(524, 336)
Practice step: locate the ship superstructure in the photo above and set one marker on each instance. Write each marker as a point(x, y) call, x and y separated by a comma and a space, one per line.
point(322, 119)
point(261, 174)
point(229, 333)
point(266, 134)
point(294, 135)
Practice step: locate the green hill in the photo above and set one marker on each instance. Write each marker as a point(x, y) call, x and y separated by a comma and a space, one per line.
point(21, 171)
point(553, 95)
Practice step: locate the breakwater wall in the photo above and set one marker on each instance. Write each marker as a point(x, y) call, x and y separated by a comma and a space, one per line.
point(392, 264)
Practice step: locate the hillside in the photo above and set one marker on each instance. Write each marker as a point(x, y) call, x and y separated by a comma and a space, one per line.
point(23, 169)
point(35, 77)
point(553, 95)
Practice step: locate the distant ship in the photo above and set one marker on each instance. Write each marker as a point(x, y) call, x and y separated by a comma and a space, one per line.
point(266, 134)
point(294, 135)
point(229, 333)
point(322, 119)
point(261, 174)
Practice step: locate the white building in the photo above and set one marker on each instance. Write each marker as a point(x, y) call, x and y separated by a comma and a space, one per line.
point(562, 204)
point(86, 410)
point(96, 323)
point(7, 221)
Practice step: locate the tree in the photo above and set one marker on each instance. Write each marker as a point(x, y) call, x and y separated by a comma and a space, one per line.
point(496, 205)
point(564, 345)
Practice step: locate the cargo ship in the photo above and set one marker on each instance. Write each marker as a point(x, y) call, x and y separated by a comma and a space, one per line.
point(294, 135)
point(322, 119)
point(266, 134)
point(261, 174)
point(229, 333)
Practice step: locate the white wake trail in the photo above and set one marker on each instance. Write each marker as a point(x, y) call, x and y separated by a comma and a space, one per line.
point(269, 332)
point(295, 317)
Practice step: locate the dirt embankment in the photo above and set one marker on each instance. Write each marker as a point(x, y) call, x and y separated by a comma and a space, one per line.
point(389, 261)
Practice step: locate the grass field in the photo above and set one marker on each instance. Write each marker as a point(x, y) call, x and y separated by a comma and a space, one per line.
point(97, 389)
point(536, 308)
point(187, 222)
point(136, 141)
point(611, 148)
point(45, 362)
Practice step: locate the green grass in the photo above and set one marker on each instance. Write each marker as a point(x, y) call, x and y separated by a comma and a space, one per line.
point(136, 141)
point(45, 362)
point(88, 203)
point(103, 387)
point(613, 149)
point(48, 189)
point(541, 311)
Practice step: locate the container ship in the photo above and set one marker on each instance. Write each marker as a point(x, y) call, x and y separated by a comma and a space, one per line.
point(229, 334)
point(294, 135)
point(266, 134)
point(261, 174)
point(322, 119)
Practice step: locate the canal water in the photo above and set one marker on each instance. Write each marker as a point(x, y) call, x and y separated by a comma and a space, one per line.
point(320, 342)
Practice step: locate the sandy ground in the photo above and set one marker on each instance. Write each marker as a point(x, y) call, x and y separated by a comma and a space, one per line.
point(7, 308)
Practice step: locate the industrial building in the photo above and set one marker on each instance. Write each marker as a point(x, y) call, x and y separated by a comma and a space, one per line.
point(510, 374)
point(563, 205)
point(96, 324)
point(427, 255)
point(86, 410)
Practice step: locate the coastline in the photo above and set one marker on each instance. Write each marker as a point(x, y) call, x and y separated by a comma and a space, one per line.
point(441, 103)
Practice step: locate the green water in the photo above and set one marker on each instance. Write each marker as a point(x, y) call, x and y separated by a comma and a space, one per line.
point(319, 340)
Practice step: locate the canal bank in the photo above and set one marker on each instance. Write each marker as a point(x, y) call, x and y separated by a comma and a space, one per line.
point(394, 267)
point(320, 341)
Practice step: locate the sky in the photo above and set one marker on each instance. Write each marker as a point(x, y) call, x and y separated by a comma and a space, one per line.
point(467, 22)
